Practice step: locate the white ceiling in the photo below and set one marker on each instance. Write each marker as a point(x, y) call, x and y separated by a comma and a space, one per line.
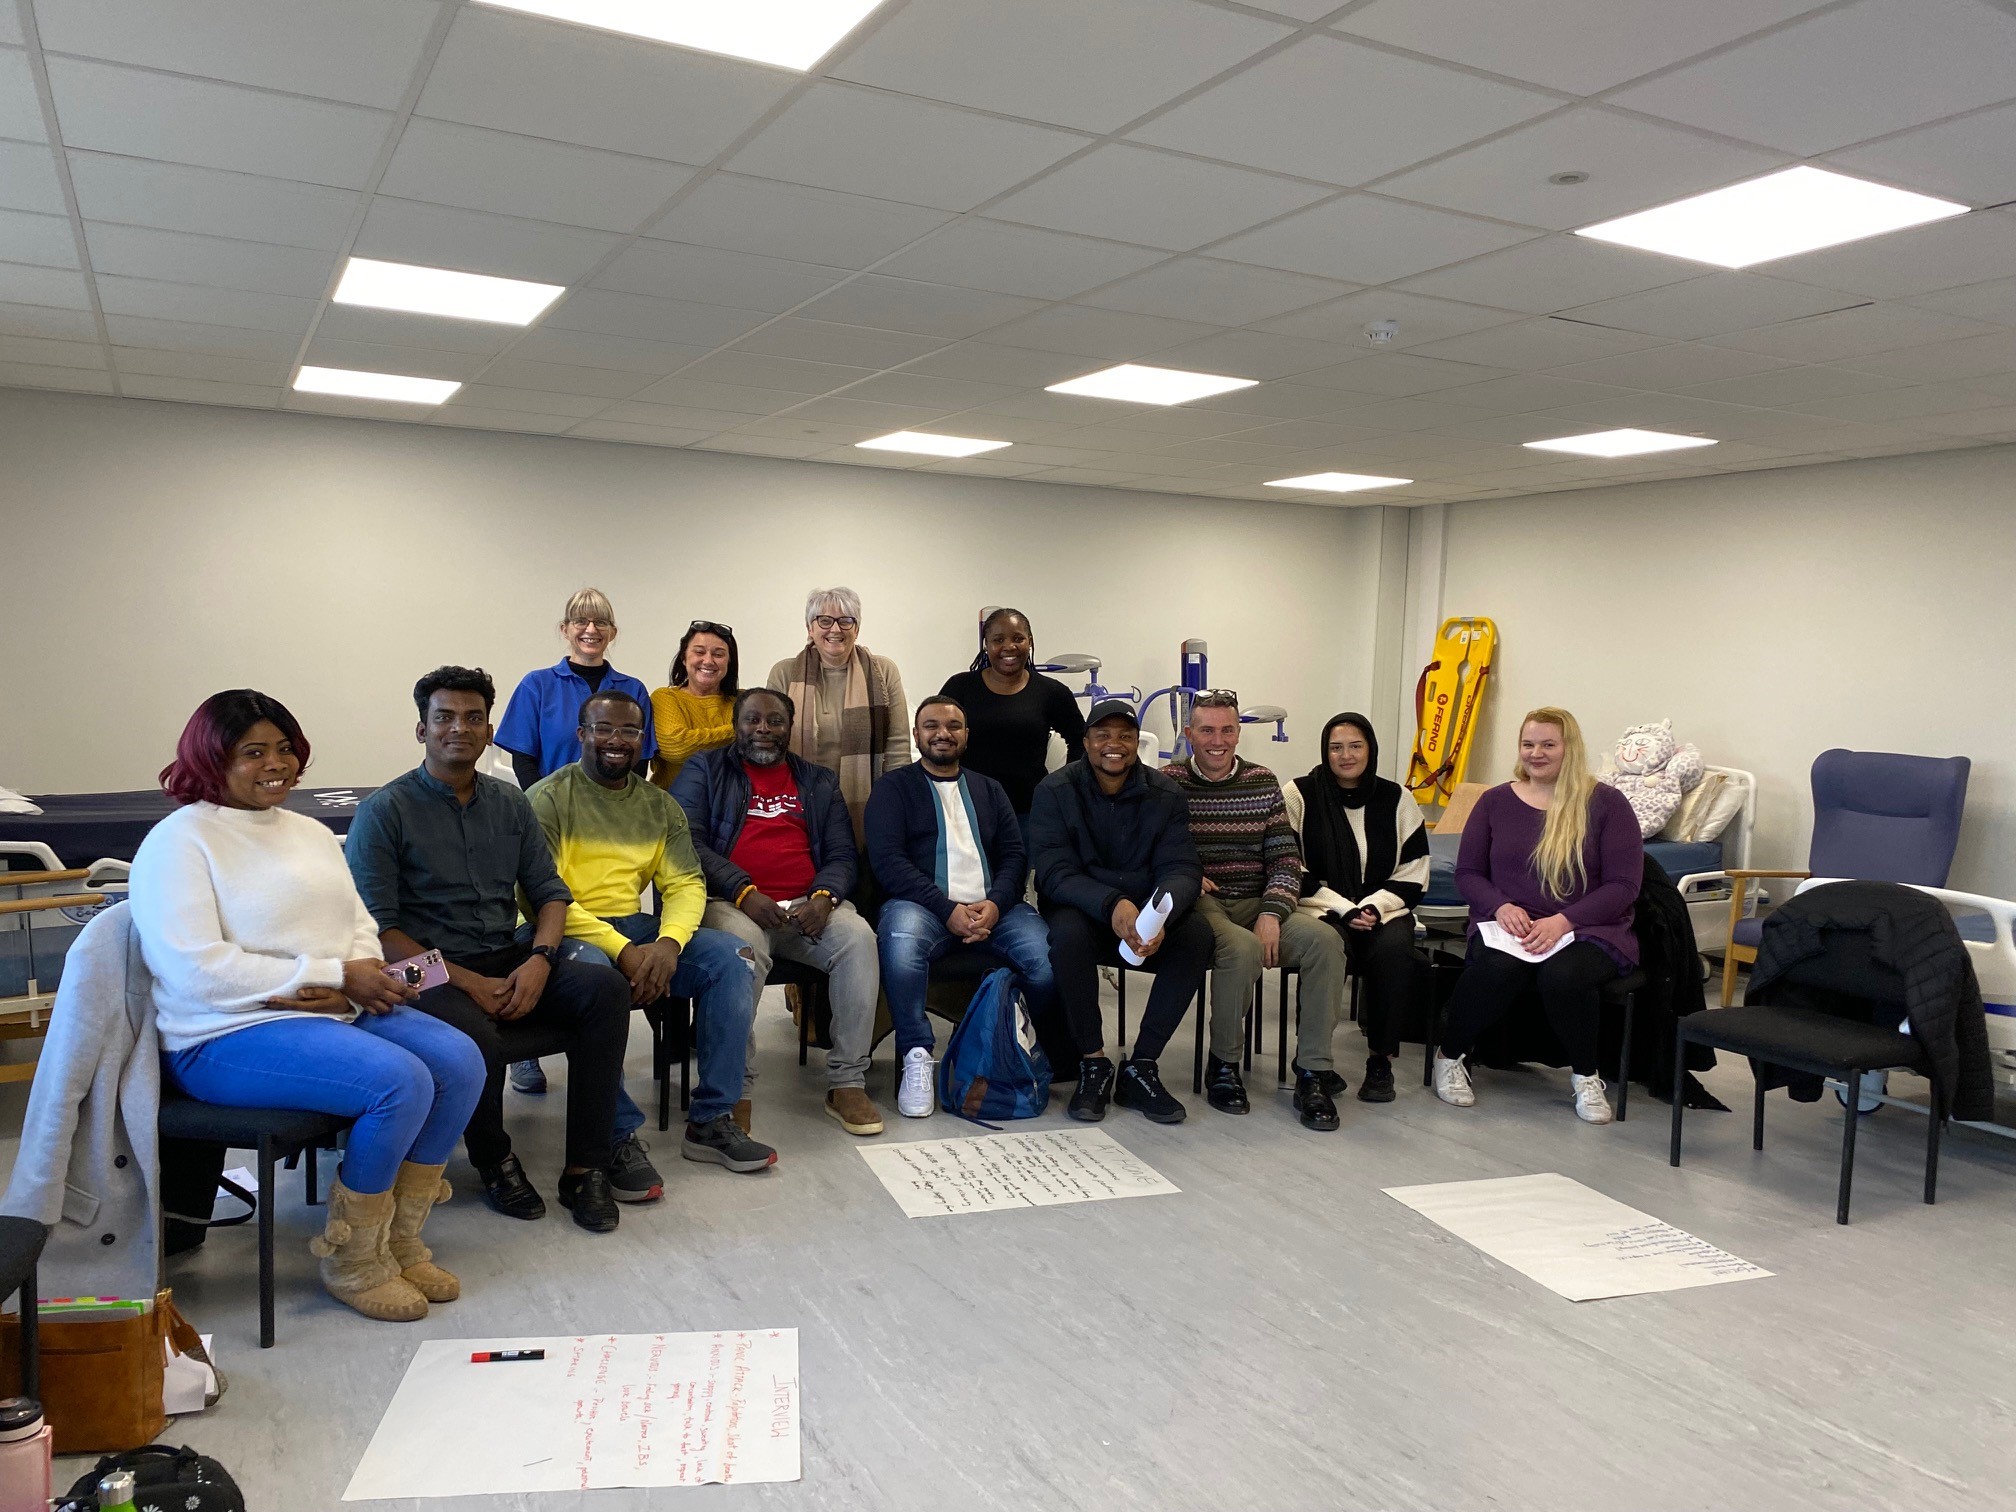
point(971, 200)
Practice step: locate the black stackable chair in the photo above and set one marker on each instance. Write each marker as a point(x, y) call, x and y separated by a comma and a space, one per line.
point(21, 1241)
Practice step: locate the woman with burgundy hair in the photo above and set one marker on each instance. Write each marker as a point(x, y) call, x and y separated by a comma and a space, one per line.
point(270, 991)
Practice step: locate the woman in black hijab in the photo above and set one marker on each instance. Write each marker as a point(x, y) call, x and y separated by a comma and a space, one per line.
point(1365, 860)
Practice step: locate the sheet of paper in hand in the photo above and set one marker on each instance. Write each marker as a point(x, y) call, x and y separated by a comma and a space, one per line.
point(995, 1172)
point(674, 1409)
point(1572, 1239)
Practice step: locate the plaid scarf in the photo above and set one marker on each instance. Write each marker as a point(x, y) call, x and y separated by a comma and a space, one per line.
point(864, 723)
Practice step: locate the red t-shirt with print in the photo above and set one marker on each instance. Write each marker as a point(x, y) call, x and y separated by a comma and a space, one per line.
point(775, 846)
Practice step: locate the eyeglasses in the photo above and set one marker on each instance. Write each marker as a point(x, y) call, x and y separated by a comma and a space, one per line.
point(712, 627)
point(1215, 698)
point(594, 624)
point(621, 732)
point(835, 621)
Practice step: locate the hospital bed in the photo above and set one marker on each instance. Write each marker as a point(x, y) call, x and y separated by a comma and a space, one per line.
point(80, 828)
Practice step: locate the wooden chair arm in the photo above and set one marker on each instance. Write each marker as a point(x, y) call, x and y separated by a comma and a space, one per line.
point(37, 905)
point(1752, 871)
point(38, 878)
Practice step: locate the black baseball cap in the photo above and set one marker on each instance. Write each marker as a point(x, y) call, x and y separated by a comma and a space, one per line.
point(1112, 708)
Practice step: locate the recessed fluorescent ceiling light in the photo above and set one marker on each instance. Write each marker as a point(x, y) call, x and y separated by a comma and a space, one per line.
point(930, 445)
point(788, 33)
point(1620, 443)
point(437, 291)
point(393, 386)
point(1798, 210)
point(1150, 385)
point(1340, 482)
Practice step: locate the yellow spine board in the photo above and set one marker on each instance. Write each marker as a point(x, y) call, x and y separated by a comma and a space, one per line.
point(1446, 701)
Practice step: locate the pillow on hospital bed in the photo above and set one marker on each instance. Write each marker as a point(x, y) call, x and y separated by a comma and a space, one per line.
point(1707, 811)
point(12, 802)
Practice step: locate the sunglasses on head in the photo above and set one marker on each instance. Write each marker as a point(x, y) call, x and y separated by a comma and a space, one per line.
point(712, 627)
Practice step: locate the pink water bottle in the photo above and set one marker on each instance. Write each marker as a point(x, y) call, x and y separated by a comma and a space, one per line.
point(24, 1456)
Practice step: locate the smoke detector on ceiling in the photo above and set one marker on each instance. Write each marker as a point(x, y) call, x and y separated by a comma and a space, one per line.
point(1572, 176)
point(1382, 332)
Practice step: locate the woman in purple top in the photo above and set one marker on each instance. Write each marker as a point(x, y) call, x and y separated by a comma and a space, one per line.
point(1550, 853)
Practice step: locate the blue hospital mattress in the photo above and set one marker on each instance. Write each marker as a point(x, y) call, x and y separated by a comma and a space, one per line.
point(1679, 858)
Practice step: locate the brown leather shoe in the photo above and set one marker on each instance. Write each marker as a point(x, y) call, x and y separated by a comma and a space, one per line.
point(741, 1115)
point(855, 1110)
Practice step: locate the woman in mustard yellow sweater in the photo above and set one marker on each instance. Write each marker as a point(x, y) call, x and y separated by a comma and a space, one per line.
point(695, 712)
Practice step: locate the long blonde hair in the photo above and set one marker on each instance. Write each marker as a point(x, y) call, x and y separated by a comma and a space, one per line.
point(1557, 859)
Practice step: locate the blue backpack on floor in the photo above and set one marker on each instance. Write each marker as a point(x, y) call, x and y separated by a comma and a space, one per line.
point(992, 1066)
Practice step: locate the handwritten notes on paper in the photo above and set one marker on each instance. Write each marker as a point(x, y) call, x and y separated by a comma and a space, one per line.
point(679, 1409)
point(1574, 1240)
point(995, 1172)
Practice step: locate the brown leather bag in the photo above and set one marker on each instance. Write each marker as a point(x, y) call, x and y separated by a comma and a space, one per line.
point(101, 1379)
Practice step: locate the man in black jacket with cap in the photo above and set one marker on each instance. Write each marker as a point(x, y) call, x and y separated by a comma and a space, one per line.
point(1108, 837)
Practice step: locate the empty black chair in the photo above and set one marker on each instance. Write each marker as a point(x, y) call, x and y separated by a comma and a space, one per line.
point(671, 1021)
point(21, 1241)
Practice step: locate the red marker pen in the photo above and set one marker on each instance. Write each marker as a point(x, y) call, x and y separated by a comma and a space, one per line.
point(498, 1356)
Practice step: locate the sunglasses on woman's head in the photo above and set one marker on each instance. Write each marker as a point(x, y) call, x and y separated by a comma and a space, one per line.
point(712, 627)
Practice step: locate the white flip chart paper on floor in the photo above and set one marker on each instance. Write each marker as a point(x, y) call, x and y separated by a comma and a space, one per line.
point(677, 1409)
point(1572, 1239)
point(996, 1172)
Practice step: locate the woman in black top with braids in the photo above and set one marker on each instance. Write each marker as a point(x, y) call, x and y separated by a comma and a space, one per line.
point(1011, 710)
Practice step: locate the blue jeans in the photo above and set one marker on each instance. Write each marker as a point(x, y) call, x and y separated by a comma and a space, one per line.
point(408, 1080)
point(722, 984)
point(910, 938)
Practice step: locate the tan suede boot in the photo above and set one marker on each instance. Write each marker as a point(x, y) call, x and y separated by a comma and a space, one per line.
point(357, 1269)
point(414, 1195)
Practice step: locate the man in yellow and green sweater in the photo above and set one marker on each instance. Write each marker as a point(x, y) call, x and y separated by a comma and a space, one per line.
point(611, 834)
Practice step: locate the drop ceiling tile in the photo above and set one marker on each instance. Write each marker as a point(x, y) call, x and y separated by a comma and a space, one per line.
point(106, 108)
point(892, 147)
point(477, 169)
point(174, 197)
point(1084, 477)
point(207, 367)
point(824, 342)
point(45, 240)
point(41, 320)
point(1792, 388)
point(1086, 332)
point(28, 179)
point(1969, 358)
point(1993, 301)
point(1632, 164)
point(1680, 366)
point(1522, 393)
point(375, 357)
point(1329, 109)
point(1712, 306)
point(1253, 354)
point(594, 349)
point(529, 401)
point(1181, 420)
point(1093, 67)
point(986, 254)
point(1420, 319)
point(201, 391)
point(1398, 375)
point(1682, 413)
point(1019, 429)
point(1409, 414)
point(213, 261)
point(1869, 68)
point(436, 236)
point(1554, 273)
point(1134, 195)
point(1224, 293)
point(1965, 250)
point(1847, 334)
point(1123, 436)
point(188, 336)
point(521, 372)
point(741, 280)
point(915, 388)
point(680, 321)
point(1280, 401)
point(1536, 344)
point(21, 283)
point(905, 304)
point(672, 416)
point(20, 109)
point(1972, 159)
point(703, 394)
point(793, 221)
point(793, 428)
point(880, 419)
point(980, 467)
point(204, 306)
point(1366, 239)
point(762, 446)
point(647, 435)
point(1059, 409)
point(51, 352)
point(756, 370)
point(1562, 43)
point(360, 51)
point(1999, 424)
point(595, 89)
point(1905, 404)
point(36, 375)
point(469, 417)
point(1289, 436)
point(401, 328)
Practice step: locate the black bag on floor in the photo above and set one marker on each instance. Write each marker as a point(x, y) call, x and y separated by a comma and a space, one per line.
point(175, 1480)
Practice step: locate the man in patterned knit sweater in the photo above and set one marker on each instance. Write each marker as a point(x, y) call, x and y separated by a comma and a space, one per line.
point(1252, 878)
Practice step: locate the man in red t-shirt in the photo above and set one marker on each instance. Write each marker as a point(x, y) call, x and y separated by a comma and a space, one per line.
point(777, 848)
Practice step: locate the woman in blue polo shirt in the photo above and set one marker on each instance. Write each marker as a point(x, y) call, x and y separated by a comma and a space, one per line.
point(541, 723)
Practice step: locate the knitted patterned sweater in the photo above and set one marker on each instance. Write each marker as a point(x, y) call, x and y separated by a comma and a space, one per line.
point(1243, 837)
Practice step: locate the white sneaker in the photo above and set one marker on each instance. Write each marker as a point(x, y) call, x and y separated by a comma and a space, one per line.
point(1452, 1082)
point(1591, 1106)
point(917, 1097)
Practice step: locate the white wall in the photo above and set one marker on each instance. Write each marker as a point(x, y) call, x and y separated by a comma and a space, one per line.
point(1771, 615)
point(155, 553)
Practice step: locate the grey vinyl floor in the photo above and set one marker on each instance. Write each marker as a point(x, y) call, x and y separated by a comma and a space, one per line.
point(1279, 1335)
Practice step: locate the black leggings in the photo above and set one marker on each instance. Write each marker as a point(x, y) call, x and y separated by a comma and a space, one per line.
point(1571, 994)
point(1384, 958)
point(1080, 945)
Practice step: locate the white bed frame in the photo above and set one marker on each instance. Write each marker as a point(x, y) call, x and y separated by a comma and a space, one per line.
point(1707, 893)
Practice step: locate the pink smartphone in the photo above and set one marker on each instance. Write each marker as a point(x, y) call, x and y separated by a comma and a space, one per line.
point(420, 972)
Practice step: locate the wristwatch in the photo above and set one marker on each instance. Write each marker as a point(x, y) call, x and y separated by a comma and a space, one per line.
point(550, 952)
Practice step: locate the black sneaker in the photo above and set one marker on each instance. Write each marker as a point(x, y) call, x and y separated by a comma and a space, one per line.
point(506, 1189)
point(632, 1177)
point(1333, 1085)
point(592, 1203)
point(1222, 1087)
point(529, 1077)
point(1313, 1104)
point(723, 1142)
point(1095, 1089)
point(1378, 1083)
point(1140, 1087)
